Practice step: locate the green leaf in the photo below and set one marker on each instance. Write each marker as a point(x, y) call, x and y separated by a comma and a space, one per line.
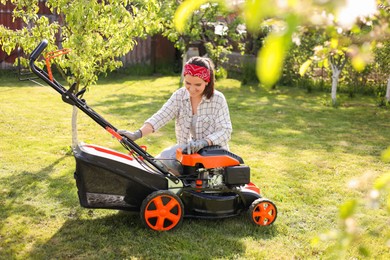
point(385, 156)
point(334, 43)
point(255, 11)
point(183, 13)
point(358, 63)
point(304, 67)
point(270, 59)
point(326, 63)
point(363, 251)
point(382, 181)
point(388, 203)
point(271, 56)
point(347, 209)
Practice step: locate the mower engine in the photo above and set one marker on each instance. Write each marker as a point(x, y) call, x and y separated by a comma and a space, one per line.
point(212, 178)
point(214, 168)
point(220, 178)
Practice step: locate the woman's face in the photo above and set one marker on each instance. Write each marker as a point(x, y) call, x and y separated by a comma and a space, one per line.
point(194, 85)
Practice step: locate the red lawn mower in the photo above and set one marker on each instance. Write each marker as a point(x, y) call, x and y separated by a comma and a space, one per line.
point(214, 183)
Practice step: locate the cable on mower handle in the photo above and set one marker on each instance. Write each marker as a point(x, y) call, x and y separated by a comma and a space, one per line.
point(52, 55)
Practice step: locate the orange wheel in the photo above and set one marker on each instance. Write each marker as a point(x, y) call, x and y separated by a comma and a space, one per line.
point(162, 211)
point(262, 212)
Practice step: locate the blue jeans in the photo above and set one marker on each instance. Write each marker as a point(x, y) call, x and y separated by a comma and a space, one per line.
point(168, 158)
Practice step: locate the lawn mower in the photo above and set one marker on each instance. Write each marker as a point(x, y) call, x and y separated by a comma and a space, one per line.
point(213, 183)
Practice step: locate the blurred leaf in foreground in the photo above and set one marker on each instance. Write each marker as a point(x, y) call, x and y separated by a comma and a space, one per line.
point(271, 56)
point(184, 12)
point(347, 209)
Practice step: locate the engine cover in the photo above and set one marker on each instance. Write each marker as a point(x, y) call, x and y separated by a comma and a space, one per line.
point(209, 157)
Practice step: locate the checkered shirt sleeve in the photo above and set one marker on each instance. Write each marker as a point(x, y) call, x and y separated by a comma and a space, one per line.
point(214, 120)
point(166, 113)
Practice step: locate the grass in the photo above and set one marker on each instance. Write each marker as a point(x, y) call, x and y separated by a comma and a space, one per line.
point(302, 153)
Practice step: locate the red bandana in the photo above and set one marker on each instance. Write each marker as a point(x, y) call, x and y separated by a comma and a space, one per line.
point(197, 71)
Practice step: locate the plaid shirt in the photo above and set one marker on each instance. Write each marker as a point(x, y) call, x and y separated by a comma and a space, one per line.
point(213, 121)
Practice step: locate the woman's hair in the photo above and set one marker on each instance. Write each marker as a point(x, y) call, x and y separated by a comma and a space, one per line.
point(207, 63)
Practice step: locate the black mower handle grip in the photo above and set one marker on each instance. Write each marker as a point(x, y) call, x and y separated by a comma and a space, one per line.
point(38, 50)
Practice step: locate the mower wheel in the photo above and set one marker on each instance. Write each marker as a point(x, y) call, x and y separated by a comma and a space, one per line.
point(162, 211)
point(262, 212)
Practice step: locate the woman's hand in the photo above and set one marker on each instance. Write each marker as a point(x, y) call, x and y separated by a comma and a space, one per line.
point(131, 135)
point(195, 146)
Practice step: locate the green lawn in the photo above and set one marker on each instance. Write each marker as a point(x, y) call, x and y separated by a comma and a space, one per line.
point(303, 154)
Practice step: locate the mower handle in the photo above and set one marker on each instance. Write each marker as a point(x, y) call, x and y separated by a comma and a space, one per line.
point(69, 97)
point(38, 50)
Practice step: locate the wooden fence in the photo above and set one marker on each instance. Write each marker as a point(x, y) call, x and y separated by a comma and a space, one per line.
point(6, 19)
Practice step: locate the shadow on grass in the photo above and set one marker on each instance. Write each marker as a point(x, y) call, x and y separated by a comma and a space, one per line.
point(24, 184)
point(122, 236)
point(22, 204)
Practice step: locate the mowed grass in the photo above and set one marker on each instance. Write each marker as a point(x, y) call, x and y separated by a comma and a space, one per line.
point(302, 153)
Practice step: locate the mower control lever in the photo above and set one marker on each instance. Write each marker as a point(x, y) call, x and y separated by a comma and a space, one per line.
point(38, 50)
point(81, 92)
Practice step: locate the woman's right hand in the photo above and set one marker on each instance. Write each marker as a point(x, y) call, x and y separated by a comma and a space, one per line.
point(131, 135)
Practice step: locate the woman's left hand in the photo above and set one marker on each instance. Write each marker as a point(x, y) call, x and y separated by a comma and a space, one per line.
point(195, 146)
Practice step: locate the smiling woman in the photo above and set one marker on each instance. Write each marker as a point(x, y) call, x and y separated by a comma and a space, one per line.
point(195, 87)
point(201, 113)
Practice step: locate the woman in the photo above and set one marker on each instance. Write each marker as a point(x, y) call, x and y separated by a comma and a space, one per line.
point(201, 112)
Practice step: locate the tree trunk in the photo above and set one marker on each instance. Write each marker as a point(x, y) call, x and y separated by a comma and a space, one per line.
point(337, 66)
point(75, 140)
point(74, 128)
point(335, 82)
point(388, 90)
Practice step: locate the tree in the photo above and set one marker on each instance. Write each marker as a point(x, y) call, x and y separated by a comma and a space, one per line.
point(213, 26)
point(337, 63)
point(336, 52)
point(97, 32)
